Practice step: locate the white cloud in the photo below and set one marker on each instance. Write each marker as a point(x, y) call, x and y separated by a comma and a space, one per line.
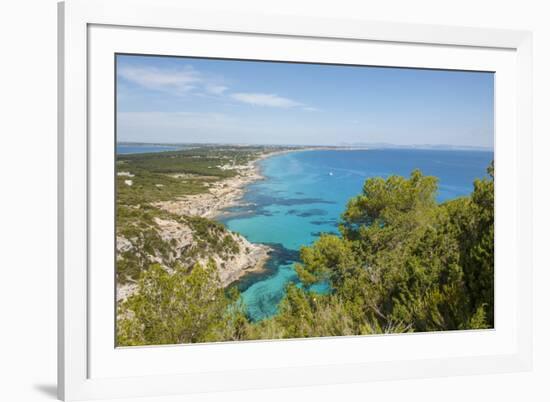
point(216, 89)
point(270, 100)
point(172, 80)
point(186, 79)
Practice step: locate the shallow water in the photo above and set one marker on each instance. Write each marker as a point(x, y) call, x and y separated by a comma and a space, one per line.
point(304, 194)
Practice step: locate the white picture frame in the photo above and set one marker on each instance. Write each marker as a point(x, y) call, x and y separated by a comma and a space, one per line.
point(89, 367)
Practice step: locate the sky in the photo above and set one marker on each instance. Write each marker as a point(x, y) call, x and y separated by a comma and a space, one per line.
point(194, 100)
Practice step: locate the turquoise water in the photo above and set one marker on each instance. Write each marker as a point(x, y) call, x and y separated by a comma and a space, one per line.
point(305, 192)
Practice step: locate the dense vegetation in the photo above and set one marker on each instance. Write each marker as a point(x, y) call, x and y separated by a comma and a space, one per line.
point(180, 307)
point(402, 263)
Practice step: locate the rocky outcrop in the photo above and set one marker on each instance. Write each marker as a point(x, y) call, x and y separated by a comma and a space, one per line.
point(231, 265)
point(188, 248)
point(250, 258)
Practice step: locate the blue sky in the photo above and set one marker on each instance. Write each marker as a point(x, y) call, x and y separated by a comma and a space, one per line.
point(169, 99)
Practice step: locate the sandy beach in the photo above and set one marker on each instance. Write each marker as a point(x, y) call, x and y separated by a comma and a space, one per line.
point(229, 192)
point(221, 195)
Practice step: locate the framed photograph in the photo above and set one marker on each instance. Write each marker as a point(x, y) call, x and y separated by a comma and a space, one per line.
point(253, 201)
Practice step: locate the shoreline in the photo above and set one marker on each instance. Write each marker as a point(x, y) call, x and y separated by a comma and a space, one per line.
point(221, 195)
point(225, 194)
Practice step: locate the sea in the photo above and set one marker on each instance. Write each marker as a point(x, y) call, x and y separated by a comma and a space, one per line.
point(143, 148)
point(304, 194)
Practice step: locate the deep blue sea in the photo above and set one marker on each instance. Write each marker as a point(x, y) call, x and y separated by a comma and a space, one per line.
point(304, 194)
point(141, 149)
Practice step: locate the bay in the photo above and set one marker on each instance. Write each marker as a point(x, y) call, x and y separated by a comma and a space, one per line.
point(143, 148)
point(304, 193)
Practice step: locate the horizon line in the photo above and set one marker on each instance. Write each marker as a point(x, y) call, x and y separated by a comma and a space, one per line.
point(342, 145)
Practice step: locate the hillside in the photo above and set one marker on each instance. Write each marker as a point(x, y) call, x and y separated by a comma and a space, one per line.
point(166, 203)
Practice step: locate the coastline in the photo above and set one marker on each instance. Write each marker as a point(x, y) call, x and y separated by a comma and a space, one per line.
point(225, 194)
point(221, 195)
